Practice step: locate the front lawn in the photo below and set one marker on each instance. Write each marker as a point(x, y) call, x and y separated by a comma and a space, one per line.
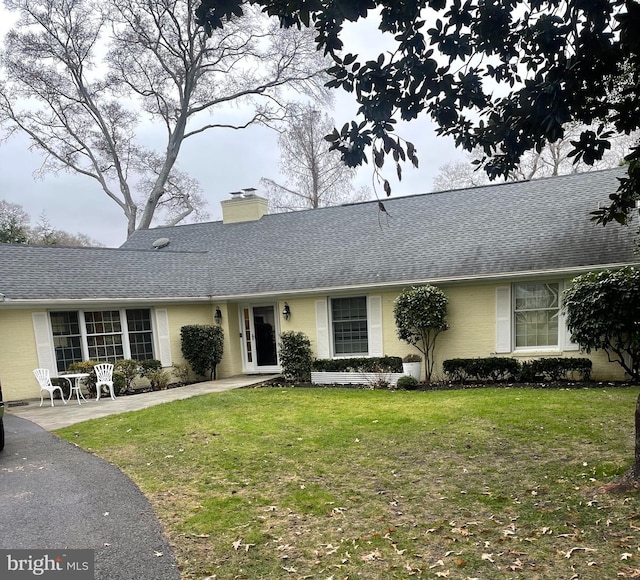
point(277, 483)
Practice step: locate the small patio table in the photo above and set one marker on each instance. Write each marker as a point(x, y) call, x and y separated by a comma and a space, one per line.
point(75, 385)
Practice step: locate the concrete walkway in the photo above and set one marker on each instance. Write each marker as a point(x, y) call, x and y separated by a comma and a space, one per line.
point(51, 418)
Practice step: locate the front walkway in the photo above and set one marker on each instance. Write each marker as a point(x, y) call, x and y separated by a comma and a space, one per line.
point(51, 418)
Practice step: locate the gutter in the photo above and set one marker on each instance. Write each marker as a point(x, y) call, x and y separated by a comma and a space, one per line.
point(455, 280)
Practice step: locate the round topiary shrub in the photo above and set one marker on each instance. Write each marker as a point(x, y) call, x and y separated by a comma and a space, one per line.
point(407, 383)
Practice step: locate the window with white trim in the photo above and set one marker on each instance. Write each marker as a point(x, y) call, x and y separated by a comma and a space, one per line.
point(536, 314)
point(349, 326)
point(103, 335)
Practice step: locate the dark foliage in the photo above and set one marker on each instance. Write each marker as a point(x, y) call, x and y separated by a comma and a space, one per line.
point(384, 364)
point(202, 347)
point(496, 369)
point(555, 62)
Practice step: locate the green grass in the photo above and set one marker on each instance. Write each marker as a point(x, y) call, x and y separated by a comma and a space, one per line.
point(338, 483)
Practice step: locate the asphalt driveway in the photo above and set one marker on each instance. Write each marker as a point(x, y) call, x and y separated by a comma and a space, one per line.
point(55, 495)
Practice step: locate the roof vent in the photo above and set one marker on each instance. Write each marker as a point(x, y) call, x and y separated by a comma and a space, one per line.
point(160, 243)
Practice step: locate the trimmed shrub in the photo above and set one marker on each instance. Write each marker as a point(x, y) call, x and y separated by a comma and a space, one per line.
point(295, 356)
point(202, 347)
point(558, 368)
point(408, 383)
point(382, 364)
point(492, 368)
point(495, 369)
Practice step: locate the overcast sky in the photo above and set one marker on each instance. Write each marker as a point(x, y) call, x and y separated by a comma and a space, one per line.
point(221, 160)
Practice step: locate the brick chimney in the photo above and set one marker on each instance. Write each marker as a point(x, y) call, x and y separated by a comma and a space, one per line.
point(244, 206)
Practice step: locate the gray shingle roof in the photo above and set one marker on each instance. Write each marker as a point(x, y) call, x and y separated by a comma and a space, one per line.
point(488, 231)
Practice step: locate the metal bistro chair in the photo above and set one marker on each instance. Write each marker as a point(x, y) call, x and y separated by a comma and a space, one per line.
point(44, 380)
point(104, 378)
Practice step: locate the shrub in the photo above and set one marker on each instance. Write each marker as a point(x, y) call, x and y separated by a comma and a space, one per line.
point(412, 358)
point(148, 366)
point(202, 347)
point(129, 369)
point(183, 372)
point(159, 379)
point(481, 369)
point(603, 313)
point(295, 356)
point(383, 364)
point(408, 383)
point(119, 383)
point(558, 368)
point(421, 315)
point(86, 367)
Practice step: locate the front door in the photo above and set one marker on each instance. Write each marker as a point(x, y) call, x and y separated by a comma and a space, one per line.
point(259, 340)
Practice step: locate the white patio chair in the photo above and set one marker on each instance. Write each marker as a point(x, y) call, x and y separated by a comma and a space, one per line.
point(104, 378)
point(44, 380)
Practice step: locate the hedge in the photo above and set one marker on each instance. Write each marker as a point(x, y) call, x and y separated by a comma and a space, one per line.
point(382, 364)
point(496, 369)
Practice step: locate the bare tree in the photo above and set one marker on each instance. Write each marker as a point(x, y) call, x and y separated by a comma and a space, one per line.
point(44, 234)
point(15, 228)
point(315, 176)
point(80, 77)
point(552, 159)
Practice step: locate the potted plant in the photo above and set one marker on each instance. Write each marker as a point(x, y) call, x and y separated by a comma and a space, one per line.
point(412, 366)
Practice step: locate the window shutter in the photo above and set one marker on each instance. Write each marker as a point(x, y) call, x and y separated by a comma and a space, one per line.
point(164, 339)
point(503, 319)
point(322, 329)
point(44, 342)
point(374, 325)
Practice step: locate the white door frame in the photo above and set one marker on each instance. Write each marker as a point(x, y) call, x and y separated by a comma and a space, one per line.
point(248, 340)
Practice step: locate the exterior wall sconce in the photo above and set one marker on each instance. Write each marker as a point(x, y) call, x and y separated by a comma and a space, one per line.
point(218, 315)
point(286, 312)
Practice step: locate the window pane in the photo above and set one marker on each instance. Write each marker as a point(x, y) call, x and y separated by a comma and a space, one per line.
point(140, 335)
point(104, 335)
point(349, 317)
point(66, 339)
point(102, 322)
point(536, 314)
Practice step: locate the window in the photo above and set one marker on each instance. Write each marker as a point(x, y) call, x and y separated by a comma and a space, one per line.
point(66, 339)
point(536, 312)
point(104, 335)
point(107, 335)
point(140, 335)
point(349, 320)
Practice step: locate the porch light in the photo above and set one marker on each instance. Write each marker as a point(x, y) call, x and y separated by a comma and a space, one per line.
point(286, 312)
point(218, 315)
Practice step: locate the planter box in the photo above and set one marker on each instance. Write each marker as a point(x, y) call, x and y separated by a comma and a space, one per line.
point(353, 378)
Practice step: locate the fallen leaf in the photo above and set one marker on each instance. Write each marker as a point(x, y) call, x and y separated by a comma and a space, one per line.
point(237, 544)
point(572, 550)
point(372, 556)
point(488, 557)
point(444, 574)
point(626, 556)
point(157, 554)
